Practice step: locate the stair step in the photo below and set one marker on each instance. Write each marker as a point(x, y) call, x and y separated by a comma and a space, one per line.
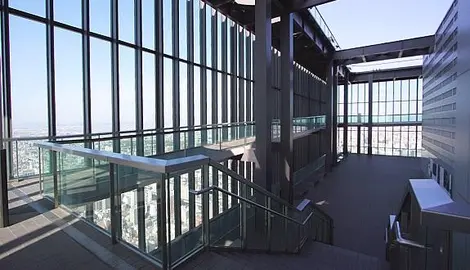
point(314, 255)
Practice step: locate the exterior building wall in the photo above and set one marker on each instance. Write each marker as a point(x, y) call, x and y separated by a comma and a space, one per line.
point(446, 114)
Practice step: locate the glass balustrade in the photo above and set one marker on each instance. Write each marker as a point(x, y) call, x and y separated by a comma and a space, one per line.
point(169, 212)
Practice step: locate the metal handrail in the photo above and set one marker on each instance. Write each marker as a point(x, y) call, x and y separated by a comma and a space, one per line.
point(405, 242)
point(137, 132)
point(264, 191)
point(211, 188)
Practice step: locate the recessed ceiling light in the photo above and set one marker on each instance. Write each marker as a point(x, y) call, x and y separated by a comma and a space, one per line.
point(245, 2)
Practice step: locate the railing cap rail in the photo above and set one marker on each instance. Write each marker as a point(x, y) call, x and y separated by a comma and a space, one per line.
point(143, 163)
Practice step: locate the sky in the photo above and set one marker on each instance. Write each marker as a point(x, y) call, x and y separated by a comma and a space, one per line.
point(357, 23)
point(353, 22)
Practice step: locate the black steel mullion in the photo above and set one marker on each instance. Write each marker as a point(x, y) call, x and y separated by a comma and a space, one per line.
point(248, 110)
point(214, 52)
point(50, 68)
point(176, 112)
point(190, 95)
point(86, 70)
point(159, 114)
point(115, 71)
point(224, 104)
point(234, 91)
point(241, 84)
point(224, 79)
point(139, 123)
point(6, 83)
point(203, 71)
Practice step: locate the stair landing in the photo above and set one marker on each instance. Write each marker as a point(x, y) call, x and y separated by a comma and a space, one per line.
point(314, 256)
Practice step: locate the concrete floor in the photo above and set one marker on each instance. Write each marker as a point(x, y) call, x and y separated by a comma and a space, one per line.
point(361, 192)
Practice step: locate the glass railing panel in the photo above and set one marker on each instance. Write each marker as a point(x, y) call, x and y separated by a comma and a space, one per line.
point(46, 178)
point(85, 190)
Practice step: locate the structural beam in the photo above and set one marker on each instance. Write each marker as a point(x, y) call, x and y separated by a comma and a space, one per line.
point(407, 47)
point(287, 108)
point(263, 95)
point(388, 74)
point(298, 5)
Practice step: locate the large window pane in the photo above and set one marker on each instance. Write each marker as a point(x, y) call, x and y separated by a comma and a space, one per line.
point(183, 34)
point(196, 31)
point(197, 96)
point(209, 36)
point(36, 7)
point(28, 77)
point(68, 82)
point(127, 88)
point(100, 16)
point(68, 12)
point(148, 23)
point(168, 27)
point(100, 68)
point(149, 105)
point(126, 20)
point(168, 92)
point(183, 94)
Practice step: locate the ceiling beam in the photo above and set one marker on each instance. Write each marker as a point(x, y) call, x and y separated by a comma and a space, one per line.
point(387, 74)
point(298, 5)
point(410, 47)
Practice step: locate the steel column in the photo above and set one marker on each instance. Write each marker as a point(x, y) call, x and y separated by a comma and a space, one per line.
point(203, 71)
point(176, 111)
point(190, 95)
point(86, 80)
point(115, 71)
point(263, 93)
point(162, 218)
point(215, 88)
point(241, 81)
point(369, 122)
point(4, 211)
point(159, 115)
point(287, 107)
point(329, 116)
point(139, 122)
point(50, 68)
point(346, 114)
point(6, 83)
point(334, 113)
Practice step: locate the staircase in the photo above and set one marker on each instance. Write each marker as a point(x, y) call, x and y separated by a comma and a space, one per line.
point(265, 232)
point(314, 255)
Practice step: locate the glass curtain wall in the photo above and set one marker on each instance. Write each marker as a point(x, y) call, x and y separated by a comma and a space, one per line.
point(396, 117)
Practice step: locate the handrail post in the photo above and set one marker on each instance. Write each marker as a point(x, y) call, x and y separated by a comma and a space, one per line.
point(4, 189)
point(113, 203)
point(243, 217)
point(205, 206)
point(268, 222)
point(161, 219)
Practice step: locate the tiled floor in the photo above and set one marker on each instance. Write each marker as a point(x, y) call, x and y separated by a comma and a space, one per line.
point(41, 237)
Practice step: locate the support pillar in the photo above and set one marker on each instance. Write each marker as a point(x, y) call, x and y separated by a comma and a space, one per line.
point(346, 114)
point(329, 116)
point(334, 120)
point(287, 108)
point(263, 93)
point(369, 123)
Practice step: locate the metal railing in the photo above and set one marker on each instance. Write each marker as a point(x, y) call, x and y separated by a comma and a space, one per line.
point(23, 155)
point(117, 192)
point(324, 27)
